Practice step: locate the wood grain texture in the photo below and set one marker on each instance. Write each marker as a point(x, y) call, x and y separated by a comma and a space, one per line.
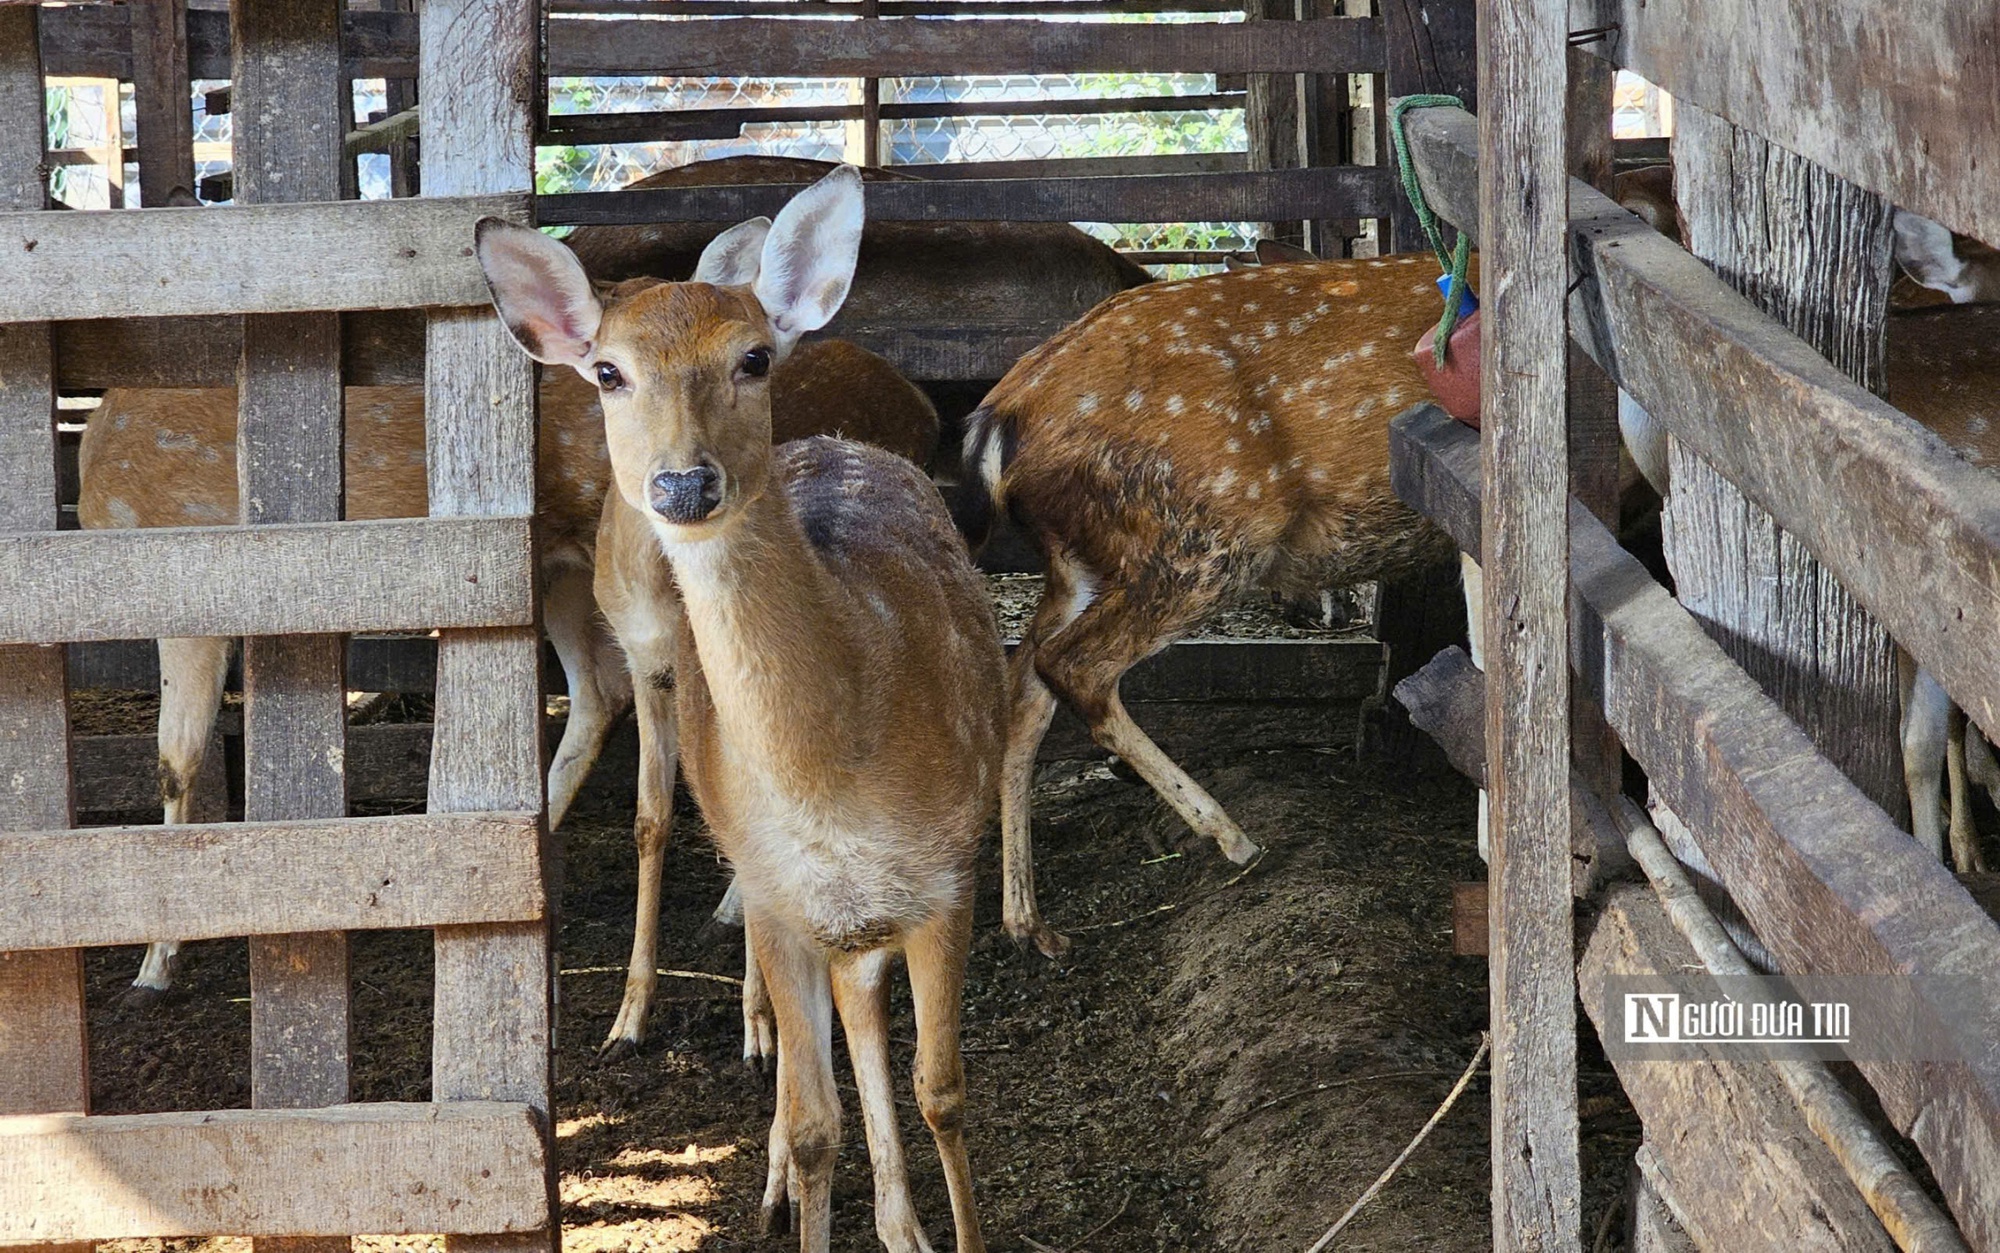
point(494, 1002)
point(1745, 1169)
point(1814, 253)
point(161, 93)
point(128, 885)
point(93, 40)
point(1272, 117)
point(1654, 1229)
point(277, 258)
point(1810, 78)
point(1431, 48)
point(1821, 446)
point(1829, 883)
point(44, 1053)
point(659, 126)
point(306, 578)
point(1269, 195)
point(289, 111)
point(757, 47)
point(384, 1168)
point(1537, 1199)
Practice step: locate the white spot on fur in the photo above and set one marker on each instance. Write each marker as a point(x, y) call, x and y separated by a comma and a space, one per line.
point(1222, 482)
point(1134, 399)
point(1376, 265)
point(121, 513)
point(1233, 444)
point(1086, 403)
point(1251, 306)
point(204, 511)
point(1254, 491)
point(1175, 404)
point(1270, 330)
point(1260, 424)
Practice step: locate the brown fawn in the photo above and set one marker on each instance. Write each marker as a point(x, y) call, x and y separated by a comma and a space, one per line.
point(167, 457)
point(1177, 444)
point(832, 654)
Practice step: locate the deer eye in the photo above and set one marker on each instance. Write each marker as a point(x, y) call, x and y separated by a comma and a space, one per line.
point(757, 362)
point(608, 377)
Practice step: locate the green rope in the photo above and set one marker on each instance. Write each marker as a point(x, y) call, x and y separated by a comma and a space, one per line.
point(1453, 264)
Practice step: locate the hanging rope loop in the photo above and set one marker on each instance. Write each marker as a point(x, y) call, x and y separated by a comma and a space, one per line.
point(1457, 298)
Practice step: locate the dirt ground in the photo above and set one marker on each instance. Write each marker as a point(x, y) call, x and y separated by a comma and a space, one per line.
point(1228, 1072)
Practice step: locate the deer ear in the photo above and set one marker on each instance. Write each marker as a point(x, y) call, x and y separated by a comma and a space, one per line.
point(809, 256)
point(543, 295)
point(179, 197)
point(1277, 252)
point(1926, 249)
point(733, 258)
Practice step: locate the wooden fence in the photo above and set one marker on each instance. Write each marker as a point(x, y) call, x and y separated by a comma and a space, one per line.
point(476, 1163)
point(1755, 702)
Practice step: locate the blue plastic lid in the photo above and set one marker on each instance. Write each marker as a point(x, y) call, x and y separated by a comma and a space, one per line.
point(1467, 302)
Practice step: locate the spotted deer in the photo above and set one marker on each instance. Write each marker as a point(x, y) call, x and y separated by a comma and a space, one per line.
point(1179, 443)
point(834, 660)
point(167, 457)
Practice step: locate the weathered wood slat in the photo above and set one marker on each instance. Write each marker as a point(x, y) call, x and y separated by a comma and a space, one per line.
point(1537, 1192)
point(1700, 358)
point(394, 1169)
point(130, 885)
point(1809, 77)
point(278, 258)
point(304, 578)
point(93, 40)
point(493, 1009)
point(292, 105)
point(1744, 1166)
point(1333, 191)
point(1826, 879)
point(685, 124)
point(44, 1049)
point(775, 47)
point(160, 92)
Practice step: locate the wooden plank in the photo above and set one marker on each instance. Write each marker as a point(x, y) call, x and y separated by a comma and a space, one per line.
point(287, 258)
point(1814, 253)
point(1744, 1168)
point(1272, 118)
point(1355, 191)
point(291, 107)
point(388, 1168)
point(1809, 76)
point(1821, 873)
point(1431, 49)
point(1537, 1193)
point(116, 774)
point(44, 1052)
point(1698, 357)
point(686, 124)
point(162, 99)
point(1654, 1229)
point(94, 39)
point(301, 578)
point(758, 47)
point(130, 885)
point(493, 1011)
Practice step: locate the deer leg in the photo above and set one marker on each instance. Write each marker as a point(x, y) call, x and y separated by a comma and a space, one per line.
point(598, 690)
point(861, 994)
point(192, 674)
point(760, 1025)
point(1083, 663)
point(1067, 590)
point(1966, 854)
point(658, 740)
point(936, 957)
point(805, 1135)
point(1980, 768)
point(1925, 730)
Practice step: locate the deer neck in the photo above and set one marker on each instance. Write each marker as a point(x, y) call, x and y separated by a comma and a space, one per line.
point(771, 627)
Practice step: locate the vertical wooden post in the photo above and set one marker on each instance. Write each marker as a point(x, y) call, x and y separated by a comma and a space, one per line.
point(478, 73)
point(1326, 119)
point(44, 1063)
point(1523, 214)
point(1271, 116)
point(162, 99)
point(1431, 49)
point(1813, 252)
point(1593, 406)
point(288, 99)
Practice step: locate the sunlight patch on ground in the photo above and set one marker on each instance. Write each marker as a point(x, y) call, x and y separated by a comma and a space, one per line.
point(677, 1233)
point(567, 1127)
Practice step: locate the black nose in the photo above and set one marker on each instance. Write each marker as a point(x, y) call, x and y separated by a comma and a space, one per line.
point(686, 495)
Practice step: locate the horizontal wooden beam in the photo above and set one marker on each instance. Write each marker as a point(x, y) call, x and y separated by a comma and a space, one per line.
point(1880, 501)
point(306, 578)
point(757, 47)
point(133, 885)
point(1827, 881)
point(687, 124)
point(885, 8)
point(94, 41)
point(1714, 1123)
point(1328, 192)
point(470, 1167)
point(278, 258)
point(1810, 77)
